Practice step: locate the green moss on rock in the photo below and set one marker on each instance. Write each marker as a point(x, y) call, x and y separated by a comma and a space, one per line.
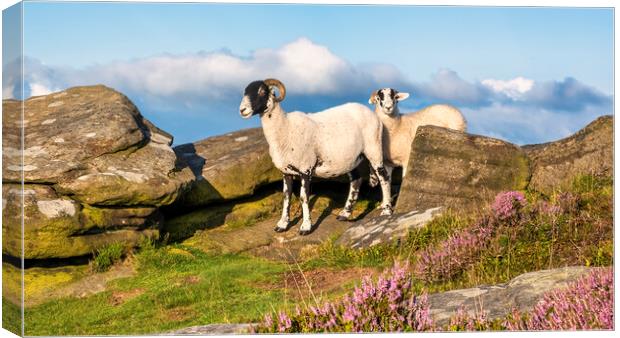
point(232, 214)
point(40, 283)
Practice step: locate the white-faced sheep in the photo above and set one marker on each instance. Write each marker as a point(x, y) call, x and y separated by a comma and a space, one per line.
point(324, 144)
point(400, 130)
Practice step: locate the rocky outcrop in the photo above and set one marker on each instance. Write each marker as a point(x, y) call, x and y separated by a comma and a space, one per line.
point(57, 226)
point(522, 293)
point(95, 171)
point(373, 231)
point(227, 166)
point(589, 151)
point(455, 169)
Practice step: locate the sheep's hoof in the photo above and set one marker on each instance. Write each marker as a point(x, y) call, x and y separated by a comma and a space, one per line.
point(342, 218)
point(278, 229)
point(304, 232)
point(387, 211)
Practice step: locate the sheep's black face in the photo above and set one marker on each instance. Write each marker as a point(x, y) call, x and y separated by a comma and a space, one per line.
point(387, 99)
point(255, 99)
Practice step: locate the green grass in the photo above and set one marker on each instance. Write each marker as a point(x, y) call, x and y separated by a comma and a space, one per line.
point(330, 254)
point(106, 256)
point(174, 287)
point(11, 317)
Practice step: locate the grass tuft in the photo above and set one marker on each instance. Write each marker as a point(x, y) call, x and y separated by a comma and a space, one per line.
point(107, 256)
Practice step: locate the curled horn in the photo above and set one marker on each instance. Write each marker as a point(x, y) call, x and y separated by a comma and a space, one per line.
point(281, 88)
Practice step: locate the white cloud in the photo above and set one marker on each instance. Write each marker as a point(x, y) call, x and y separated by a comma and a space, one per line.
point(7, 92)
point(37, 89)
point(209, 85)
point(303, 66)
point(514, 88)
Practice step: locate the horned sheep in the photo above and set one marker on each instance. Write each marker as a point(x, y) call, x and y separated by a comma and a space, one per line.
point(326, 144)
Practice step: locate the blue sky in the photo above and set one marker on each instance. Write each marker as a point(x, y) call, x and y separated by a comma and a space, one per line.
point(522, 74)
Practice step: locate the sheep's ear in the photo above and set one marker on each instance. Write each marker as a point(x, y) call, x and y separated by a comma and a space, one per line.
point(401, 96)
point(373, 98)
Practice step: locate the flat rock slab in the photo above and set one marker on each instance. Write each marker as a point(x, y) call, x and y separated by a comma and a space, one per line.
point(589, 151)
point(385, 229)
point(213, 329)
point(227, 166)
point(261, 240)
point(522, 293)
point(44, 284)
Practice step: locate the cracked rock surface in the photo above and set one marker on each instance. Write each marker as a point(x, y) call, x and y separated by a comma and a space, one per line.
point(522, 293)
point(94, 169)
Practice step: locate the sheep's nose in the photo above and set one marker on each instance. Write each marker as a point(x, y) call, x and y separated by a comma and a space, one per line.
point(242, 110)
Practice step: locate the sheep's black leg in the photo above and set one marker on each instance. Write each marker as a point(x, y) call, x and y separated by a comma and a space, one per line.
point(287, 189)
point(354, 189)
point(384, 179)
point(304, 196)
point(373, 180)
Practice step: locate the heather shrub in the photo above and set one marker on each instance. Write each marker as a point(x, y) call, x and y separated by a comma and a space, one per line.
point(401, 249)
point(462, 321)
point(451, 256)
point(387, 305)
point(508, 204)
point(586, 304)
point(544, 208)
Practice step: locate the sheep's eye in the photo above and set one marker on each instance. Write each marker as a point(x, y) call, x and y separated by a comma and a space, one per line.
point(261, 92)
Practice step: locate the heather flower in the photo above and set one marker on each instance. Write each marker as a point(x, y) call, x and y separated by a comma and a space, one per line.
point(268, 320)
point(586, 304)
point(284, 322)
point(454, 254)
point(549, 209)
point(508, 204)
point(462, 321)
point(387, 305)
